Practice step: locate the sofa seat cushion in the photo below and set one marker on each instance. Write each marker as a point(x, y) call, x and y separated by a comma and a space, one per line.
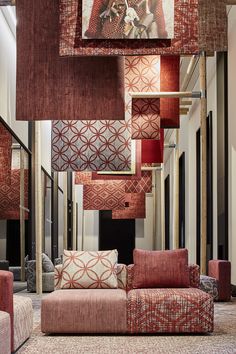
point(5, 333)
point(209, 285)
point(84, 311)
point(23, 319)
point(187, 310)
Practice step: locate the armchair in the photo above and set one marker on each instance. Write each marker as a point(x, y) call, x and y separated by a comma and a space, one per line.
point(16, 311)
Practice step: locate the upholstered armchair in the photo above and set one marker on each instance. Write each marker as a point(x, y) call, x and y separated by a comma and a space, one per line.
point(16, 315)
point(218, 281)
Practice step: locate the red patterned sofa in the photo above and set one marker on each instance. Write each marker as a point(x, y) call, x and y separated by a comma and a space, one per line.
point(128, 309)
point(18, 317)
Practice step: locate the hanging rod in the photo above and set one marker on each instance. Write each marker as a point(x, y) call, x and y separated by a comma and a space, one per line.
point(192, 94)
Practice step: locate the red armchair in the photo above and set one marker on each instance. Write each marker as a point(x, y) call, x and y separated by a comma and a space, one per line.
point(221, 271)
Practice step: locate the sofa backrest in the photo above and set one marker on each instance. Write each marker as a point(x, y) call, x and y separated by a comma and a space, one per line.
point(194, 275)
point(121, 276)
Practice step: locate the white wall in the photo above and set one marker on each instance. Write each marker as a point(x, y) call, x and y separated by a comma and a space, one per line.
point(232, 140)
point(187, 143)
point(8, 80)
point(46, 127)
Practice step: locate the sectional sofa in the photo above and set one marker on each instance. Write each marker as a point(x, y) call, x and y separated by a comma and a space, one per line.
point(158, 294)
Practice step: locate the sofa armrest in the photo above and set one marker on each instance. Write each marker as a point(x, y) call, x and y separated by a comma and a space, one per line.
point(194, 275)
point(6, 297)
point(57, 276)
point(221, 271)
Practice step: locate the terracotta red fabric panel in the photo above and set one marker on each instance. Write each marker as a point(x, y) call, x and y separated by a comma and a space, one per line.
point(10, 197)
point(153, 150)
point(142, 185)
point(52, 88)
point(145, 118)
point(5, 155)
point(161, 269)
point(107, 196)
point(6, 298)
point(86, 178)
point(169, 82)
point(135, 207)
point(185, 41)
point(136, 176)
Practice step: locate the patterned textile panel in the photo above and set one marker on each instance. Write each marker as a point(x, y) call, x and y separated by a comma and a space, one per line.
point(89, 270)
point(121, 273)
point(86, 178)
point(185, 41)
point(169, 108)
point(135, 209)
point(135, 176)
point(144, 185)
point(170, 311)
point(5, 333)
point(108, 196)
point(145, 118)
point(10, 197)
point(5, 155)
point(49, 88)
point(153, 150)
point(57, 276)
point(91, 145)
point(210, 286)
point(194, 274)
point(23, 319)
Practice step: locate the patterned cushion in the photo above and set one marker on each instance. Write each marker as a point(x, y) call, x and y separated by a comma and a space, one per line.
point(5, 333)
point(47, 264)
point(169, 311)
point(95, 269)
point(209, 285)
point(57, 276)
point(157, 269)
point(121, 273)
point(194, 275)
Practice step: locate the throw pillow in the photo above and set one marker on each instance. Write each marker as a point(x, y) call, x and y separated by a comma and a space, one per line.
point(48, 266)
point(161, 269)
point(95, 269)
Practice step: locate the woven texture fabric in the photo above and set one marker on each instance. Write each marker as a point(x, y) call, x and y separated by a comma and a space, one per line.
point(170, 311)
point(49, 88)
point(93, 270)
point(5, 333)
point(135, 207)
point(91, 145)
point(169, 82)
point(107, 196)
point(210, 286)
point(23, 319)
point(145, 118)
point(194, 276)
point(5, 155)
point(47, 264)
point(10, 196)
point(6, 298)
point(84, 311)
point(161, 269)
